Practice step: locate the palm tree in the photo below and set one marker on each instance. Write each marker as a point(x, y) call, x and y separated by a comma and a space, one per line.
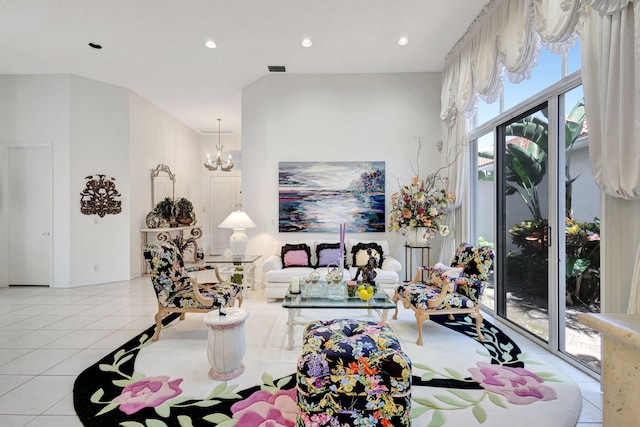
point(527, 166)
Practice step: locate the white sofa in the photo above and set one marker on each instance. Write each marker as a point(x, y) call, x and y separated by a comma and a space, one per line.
point(276, 278)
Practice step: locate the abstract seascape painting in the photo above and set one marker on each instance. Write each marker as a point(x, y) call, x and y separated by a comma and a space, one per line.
point(319, 196)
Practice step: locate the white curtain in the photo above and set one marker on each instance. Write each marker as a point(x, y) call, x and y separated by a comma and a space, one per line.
point(504, 39)
point(457, 156)
point(610, 63)
point(634, 298)
point(610, 67)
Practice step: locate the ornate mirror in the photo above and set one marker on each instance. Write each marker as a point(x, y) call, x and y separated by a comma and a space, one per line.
point(162, 184)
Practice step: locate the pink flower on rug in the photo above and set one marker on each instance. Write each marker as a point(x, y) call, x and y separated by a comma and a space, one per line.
point(147, 393)
point(263, 409)
point(518, 385)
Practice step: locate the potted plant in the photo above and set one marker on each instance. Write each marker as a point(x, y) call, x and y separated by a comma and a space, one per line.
point(184, 211)
point(165, 210)
point(419, 209)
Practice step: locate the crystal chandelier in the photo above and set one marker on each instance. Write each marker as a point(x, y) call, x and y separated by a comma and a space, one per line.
point(213, 165)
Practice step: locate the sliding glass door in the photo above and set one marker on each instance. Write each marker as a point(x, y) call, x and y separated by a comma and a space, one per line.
point(535, 199)
point(523, 221)
point(581, 231)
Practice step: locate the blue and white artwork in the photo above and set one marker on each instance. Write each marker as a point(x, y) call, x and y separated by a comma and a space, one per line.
point(319, 196)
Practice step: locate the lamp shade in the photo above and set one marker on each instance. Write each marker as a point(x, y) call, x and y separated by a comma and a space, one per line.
point(237, 219)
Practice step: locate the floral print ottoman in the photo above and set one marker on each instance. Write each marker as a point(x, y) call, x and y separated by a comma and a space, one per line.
point(352, 373)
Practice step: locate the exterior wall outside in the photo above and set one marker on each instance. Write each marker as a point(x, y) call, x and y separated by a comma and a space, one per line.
point(585, 207)
point(586, 193)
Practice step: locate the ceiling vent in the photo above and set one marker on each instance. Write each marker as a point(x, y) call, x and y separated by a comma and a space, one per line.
point(277, 68)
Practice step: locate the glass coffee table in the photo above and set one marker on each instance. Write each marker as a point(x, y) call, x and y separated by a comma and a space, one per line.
point(294, 303)
point(237, 269)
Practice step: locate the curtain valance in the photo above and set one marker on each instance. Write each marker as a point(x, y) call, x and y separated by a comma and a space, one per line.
point(607, 7)
point(505, 38)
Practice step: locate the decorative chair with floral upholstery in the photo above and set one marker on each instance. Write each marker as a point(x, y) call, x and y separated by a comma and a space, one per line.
point(352, 373)
point(177, 292)
point(449, 290)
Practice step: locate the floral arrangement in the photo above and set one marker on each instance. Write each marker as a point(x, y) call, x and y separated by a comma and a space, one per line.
point(423, 203)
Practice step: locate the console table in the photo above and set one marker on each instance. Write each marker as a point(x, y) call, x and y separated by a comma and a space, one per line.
point(167, 234)
point(408, 259)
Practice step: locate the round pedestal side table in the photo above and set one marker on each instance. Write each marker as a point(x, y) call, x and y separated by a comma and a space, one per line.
point(226, 344)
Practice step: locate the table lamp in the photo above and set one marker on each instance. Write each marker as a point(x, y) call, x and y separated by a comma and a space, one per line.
point(238, 221)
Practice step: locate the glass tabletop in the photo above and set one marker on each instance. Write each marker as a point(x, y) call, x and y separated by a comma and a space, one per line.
point(320, 299)
point(221, 259)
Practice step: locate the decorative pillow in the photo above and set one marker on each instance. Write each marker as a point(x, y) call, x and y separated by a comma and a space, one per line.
point(327, 253)
point(439, 278)
point(450, 272)
point(361, 256)
point(296, 255)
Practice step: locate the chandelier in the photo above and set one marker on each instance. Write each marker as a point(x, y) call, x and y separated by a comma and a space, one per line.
point(212, 164)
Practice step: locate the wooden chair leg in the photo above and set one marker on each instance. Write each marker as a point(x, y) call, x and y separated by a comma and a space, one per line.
point(158, 317)
point(395, 301)
point(182, 315)
point(478, 318)
point(420, 318)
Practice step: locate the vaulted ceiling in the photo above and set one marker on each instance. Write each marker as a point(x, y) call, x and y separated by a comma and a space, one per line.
point(156, 48)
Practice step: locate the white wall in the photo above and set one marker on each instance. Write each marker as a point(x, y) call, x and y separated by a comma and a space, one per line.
point(99, 123)
point(157, 138)
point(95, 128)
point(337, 117)
point(35, 109)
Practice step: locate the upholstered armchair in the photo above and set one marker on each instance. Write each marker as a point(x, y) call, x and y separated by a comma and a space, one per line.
point(449, 290)
point(177, 292)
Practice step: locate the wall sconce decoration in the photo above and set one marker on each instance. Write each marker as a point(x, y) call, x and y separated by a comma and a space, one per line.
point(100, 196)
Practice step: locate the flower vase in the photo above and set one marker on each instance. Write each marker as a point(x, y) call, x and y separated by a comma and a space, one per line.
point(418, 236)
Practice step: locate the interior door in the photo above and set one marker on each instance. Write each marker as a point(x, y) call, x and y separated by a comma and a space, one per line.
point(224, 195)
point(29, 215)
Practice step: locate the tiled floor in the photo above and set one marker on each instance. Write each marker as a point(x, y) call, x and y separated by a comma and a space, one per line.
point(48, 336)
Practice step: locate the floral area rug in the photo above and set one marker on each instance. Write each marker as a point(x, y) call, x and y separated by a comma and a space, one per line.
point(457, 380)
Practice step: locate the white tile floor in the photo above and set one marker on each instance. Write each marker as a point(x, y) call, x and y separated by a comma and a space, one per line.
point(48, 336)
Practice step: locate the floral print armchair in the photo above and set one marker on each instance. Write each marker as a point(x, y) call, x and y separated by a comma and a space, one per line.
point(352, 373)
point(451, 290)
point(177, 292)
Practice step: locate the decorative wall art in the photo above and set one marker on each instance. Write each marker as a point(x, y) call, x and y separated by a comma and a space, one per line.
point(100, 196)
point(318, 196)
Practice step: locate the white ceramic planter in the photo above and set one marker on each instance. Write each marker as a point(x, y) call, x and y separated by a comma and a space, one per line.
point(226, 343)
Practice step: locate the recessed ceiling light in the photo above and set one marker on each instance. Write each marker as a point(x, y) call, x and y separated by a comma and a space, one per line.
point(307, 43)
point(403, 41)
point(95, 45)
point(210, 44)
